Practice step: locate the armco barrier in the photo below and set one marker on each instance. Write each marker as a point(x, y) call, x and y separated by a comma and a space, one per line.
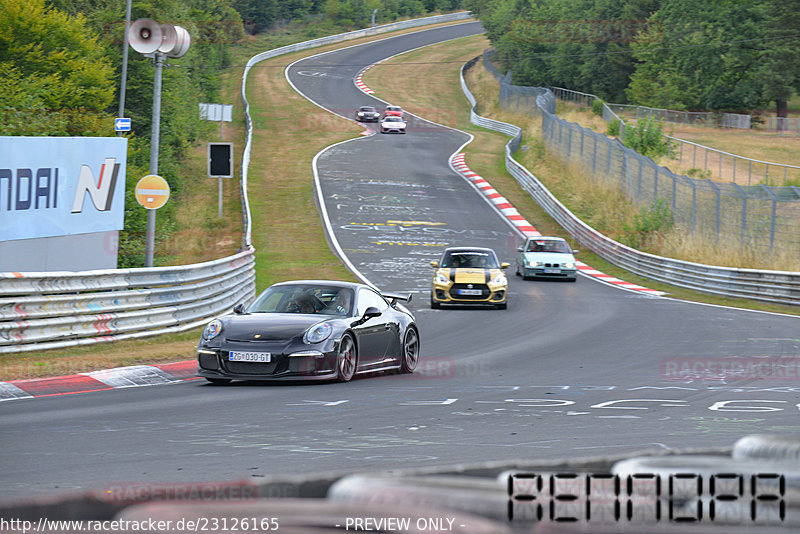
point(59, 309)
point(51, 310)
point(780, 287)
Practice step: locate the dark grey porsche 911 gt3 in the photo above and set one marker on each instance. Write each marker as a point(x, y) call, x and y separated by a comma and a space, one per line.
point(311, 330)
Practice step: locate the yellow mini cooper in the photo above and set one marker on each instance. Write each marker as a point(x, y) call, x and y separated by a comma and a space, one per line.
point(469, 275)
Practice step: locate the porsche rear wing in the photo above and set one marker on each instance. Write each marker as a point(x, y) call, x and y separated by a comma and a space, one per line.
point(394, 297)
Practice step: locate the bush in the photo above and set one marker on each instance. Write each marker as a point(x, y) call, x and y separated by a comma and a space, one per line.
point(646, 138)
point(597, 107)
point(613, 128)
point(649, 226)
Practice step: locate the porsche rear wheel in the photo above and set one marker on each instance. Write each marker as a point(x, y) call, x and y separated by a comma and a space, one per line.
point(347, 359)
point(410, 355)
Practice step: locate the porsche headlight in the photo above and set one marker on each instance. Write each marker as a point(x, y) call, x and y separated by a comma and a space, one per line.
point(212, 330)
point(318, 333)
point(442, 279)
point(499, 280)
point(569, 265)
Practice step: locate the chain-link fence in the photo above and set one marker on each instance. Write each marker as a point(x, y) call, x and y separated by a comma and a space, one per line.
point(759, 216)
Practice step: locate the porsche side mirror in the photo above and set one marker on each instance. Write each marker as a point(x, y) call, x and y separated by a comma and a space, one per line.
point(238, 309)
point(434, 264)
point(505, 265)
point(371, 312)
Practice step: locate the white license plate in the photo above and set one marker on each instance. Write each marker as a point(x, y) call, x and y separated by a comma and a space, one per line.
point(474, 292)
point(552, 271)
point(257, 357)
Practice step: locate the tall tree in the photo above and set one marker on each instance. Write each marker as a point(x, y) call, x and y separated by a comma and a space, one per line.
point(700, 55)
point(57, 68)
point(780, 60)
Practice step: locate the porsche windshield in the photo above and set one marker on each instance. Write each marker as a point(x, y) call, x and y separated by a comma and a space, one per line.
point(326, 300)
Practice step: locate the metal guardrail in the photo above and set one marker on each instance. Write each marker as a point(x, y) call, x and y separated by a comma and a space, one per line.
point(51, 310)
point(779, 287)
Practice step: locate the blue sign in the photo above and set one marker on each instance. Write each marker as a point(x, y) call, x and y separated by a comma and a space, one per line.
point(122, 124)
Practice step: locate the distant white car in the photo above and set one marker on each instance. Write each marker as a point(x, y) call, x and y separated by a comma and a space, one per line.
point(546, 257)
point(393, 124)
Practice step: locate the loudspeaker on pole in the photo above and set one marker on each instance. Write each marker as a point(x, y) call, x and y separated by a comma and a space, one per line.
point(145, 36)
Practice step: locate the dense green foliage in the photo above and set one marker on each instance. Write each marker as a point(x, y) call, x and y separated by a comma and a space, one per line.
point(680, 54)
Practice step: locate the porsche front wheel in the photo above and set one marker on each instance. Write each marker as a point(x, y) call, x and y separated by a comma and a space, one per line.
point(347, 359)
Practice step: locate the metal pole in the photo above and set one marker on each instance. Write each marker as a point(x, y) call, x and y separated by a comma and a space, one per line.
point(124, 75)
point(219, 210)
point(154, 139)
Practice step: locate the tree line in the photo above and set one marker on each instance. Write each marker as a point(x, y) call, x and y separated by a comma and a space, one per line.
point(726, 55)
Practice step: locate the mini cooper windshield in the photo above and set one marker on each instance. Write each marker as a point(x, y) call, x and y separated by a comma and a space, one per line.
point(470, 259)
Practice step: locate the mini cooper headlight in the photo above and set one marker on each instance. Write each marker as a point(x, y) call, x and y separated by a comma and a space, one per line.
point(499, 280)
point(212, 330)
point(318, 333)
point(442, 279)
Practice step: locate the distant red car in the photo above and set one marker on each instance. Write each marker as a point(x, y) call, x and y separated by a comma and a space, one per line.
point(393, 111)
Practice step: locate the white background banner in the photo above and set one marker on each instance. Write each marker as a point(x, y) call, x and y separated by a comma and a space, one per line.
point(55, 186)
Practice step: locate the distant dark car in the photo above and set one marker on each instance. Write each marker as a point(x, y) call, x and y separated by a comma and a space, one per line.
point(311, 330)
point(367, 114)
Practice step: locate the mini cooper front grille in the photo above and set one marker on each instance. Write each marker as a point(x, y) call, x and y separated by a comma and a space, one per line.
point(455, 291)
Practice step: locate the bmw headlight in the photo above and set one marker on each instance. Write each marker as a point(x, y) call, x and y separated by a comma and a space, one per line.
point(531, 263)
point(499, 280)
point(318, 333)
point(212, 330)
point(442, 279)
point(569, 265)
point(360, 114)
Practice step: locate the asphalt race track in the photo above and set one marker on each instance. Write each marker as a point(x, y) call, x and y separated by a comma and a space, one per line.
point(568, 370)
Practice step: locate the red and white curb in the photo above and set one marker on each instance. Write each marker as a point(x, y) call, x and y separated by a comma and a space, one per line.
point(360, 77)
point(507, 209)
point(121, 377)
point(501, 203)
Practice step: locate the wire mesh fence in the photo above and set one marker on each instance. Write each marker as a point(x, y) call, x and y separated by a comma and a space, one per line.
point(763, 218)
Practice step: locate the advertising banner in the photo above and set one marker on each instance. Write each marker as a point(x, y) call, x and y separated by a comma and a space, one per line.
point(57, 186)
